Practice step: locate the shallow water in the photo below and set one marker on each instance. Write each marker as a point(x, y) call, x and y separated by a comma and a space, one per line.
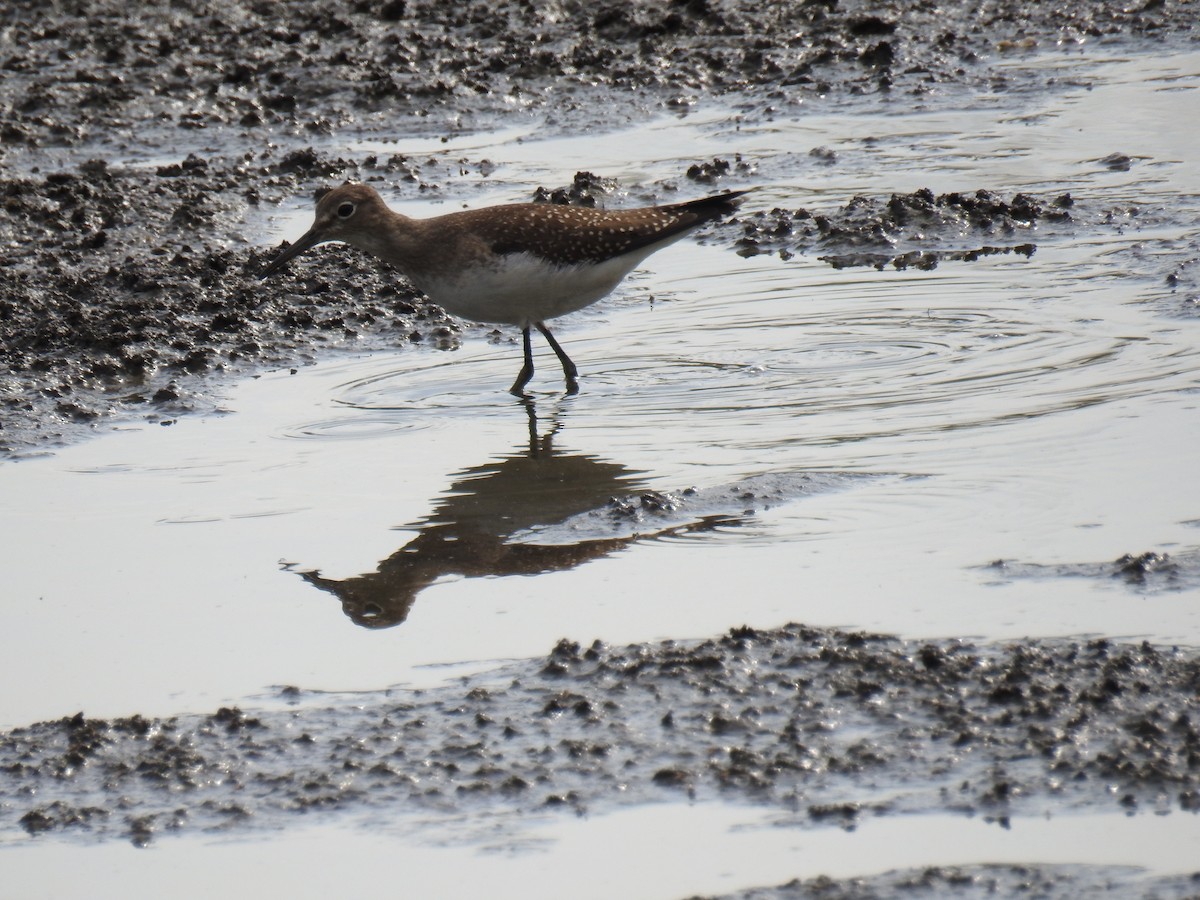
point(695, 850)
point(1042, 410)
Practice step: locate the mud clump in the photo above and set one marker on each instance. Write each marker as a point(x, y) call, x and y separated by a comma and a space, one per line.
point(1049, 882)
point(1150, 572)
point(916, 230)
point(585, 189)
point(798, 720)
point(711, 171)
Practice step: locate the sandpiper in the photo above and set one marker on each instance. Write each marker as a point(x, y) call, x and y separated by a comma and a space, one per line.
point(519, 264)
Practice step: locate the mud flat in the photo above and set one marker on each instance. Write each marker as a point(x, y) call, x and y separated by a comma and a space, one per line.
point(800, 719)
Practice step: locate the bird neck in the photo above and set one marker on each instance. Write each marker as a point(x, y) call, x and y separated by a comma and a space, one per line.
point(393, 238)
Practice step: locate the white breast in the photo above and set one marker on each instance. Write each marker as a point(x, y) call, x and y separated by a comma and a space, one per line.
point(520, 288)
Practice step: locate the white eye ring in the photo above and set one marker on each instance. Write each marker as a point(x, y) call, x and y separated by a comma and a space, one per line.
point(346, 210)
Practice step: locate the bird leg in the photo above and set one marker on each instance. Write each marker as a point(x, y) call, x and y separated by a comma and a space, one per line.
point(526, 372)
point(569, 369)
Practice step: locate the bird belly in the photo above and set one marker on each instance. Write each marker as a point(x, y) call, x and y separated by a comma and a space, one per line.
point(521, 288)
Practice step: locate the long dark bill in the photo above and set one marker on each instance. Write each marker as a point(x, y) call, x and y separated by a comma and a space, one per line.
point(307, 242)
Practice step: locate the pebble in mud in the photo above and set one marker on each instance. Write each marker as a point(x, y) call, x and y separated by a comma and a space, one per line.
point(798, 720)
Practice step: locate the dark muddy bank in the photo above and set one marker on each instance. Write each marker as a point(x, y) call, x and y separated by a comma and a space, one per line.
point(966, 882)
point(139, 152)
point(110, 73)
point(124, 293)
point(800, 720)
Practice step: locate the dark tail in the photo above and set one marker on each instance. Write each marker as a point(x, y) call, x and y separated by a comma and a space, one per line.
point(708, 208)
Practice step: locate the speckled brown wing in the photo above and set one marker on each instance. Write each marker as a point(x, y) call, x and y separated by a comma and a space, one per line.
point(570, 235)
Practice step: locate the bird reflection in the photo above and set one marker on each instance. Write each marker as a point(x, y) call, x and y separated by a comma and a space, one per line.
point(469, 533)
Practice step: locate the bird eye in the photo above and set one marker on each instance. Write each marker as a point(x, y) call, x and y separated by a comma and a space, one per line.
point(345, 211)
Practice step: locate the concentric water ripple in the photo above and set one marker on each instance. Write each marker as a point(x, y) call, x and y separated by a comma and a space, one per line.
point(911, 364)
point(896, 369)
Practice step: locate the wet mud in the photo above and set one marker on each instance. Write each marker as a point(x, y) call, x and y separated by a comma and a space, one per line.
point(916, 230)
point(138, 154)
point(1149, 572)
point(123, 293)
point(282, 71)
point(1046, 882)
point(829, 728)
